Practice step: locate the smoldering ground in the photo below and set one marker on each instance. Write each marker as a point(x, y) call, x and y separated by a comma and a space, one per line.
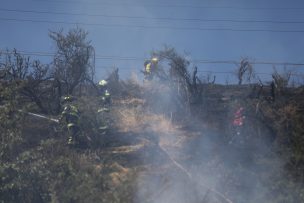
point(190, 162)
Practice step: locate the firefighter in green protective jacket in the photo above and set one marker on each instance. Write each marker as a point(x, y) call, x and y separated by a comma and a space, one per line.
point(70, 115)
point(105, 102)
point(150, 68)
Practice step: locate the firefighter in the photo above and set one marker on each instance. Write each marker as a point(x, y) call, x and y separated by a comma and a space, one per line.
point(105, 102)
point(150, 68)
point(105, 97)
point(237, 123)
point(70, 115)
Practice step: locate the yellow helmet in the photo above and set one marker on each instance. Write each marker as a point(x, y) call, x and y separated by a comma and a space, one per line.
point(102, 83)
point(154, 59)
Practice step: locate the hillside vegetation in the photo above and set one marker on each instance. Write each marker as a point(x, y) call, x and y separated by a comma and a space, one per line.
point(171, 139)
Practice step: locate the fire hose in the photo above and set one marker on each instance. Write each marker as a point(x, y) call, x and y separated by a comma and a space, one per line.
point(179, 166)
point(40, 116)
point(189, 175)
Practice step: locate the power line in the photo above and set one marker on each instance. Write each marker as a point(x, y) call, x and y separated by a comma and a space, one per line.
point(212, 72)
point(231, 72)
point(152, 27)
point(253, 62)
point(130, 58)
point(123, 4)
point(152, 18)
point(199, 71)
point(141, 59)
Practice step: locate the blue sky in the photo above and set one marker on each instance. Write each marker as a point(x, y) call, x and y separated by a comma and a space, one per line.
point(137, 37)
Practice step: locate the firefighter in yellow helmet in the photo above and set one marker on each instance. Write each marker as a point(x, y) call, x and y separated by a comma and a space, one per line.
point(150, 68)
point(104, 93)
point(105, 102)
point(70, 116)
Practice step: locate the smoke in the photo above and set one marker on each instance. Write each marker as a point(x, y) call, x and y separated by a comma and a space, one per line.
point(167, 180)
point(190, 162)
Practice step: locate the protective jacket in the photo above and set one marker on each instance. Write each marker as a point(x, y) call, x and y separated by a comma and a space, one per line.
point(150, 67)
point(239, 117)
point(71, 115)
